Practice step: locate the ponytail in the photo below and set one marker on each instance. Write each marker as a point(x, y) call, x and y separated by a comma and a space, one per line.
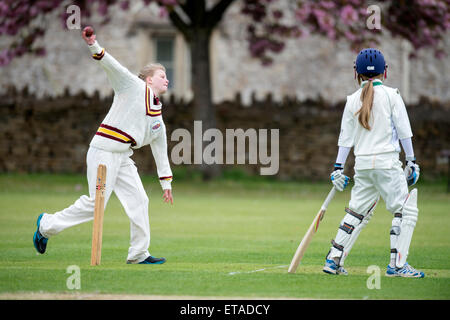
point(367, 102)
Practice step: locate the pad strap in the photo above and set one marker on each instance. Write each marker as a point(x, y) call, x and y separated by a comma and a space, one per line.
point(337, 246)
point(353, 213)
point(347, 228)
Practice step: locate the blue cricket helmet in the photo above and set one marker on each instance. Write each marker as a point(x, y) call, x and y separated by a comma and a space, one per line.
point(370, 62)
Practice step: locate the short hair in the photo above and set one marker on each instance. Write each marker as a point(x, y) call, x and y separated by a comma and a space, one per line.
point(149, 70)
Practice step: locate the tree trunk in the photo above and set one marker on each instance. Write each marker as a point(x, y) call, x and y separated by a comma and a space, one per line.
point(197, 32)
point(204, 110)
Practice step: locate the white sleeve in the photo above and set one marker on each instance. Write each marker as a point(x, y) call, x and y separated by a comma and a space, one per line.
point(159, 150)
point(342, 155)
point(347, 136)
point(400, 117)
point(408, 148)
point(119, 76)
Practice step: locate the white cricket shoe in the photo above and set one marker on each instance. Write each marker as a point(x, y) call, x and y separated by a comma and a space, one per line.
point(332, 268)
point(406, 272)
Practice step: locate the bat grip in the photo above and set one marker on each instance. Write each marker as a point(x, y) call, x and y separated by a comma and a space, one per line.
point(328, 199)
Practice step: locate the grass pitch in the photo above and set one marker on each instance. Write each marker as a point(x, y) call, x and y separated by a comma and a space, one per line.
point(221, 239)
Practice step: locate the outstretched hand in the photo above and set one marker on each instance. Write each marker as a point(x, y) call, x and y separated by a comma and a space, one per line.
point(89, 39)
point(167, 196)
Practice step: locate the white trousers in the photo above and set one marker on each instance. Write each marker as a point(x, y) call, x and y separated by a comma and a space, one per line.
point(122, 178)
point(370, 184)
point(390, 184)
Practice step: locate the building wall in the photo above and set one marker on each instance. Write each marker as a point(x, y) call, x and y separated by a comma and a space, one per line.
point(308, 68)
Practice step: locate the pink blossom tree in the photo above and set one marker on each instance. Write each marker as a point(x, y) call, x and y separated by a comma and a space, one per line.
point(423, 23)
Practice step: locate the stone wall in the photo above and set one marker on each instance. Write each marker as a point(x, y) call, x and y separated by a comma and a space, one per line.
point(52, 134)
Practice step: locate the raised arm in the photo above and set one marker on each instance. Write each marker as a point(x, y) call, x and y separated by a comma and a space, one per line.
point(119, 76)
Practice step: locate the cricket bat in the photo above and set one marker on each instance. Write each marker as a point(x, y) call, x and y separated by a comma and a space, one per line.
point(310, 233)
point(97, 229)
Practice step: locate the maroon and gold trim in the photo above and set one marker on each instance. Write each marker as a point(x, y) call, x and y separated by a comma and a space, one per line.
point(99, 56)
point(150, 112)
point(166, 178)
point(115, 134)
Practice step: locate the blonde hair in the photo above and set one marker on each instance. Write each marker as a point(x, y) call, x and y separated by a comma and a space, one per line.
point(367, 100)
point(149, 70)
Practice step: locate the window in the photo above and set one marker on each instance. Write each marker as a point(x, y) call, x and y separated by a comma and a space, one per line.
point(164, 47)
point(168, 47)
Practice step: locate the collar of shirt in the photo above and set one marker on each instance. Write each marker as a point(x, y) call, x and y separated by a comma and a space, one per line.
point(376, 82)
point(155, 104)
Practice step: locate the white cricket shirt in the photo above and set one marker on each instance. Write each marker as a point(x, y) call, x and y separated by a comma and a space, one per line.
point(377, 148)
point(135, 117)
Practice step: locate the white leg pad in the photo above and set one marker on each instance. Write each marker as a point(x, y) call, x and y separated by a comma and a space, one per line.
point(343, 236)
point(410, 214)
point(357, 231)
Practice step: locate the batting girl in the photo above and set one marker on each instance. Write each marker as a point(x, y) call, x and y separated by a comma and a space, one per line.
point(133, 121)
point(375, 123)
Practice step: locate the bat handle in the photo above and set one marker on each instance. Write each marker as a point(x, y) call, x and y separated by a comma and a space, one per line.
point(329, 198)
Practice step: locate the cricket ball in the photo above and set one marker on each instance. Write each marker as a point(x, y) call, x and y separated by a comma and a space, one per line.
point(88, 31)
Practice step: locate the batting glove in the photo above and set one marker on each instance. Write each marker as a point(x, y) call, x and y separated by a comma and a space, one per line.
point(412, 172)
point(338, 178)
